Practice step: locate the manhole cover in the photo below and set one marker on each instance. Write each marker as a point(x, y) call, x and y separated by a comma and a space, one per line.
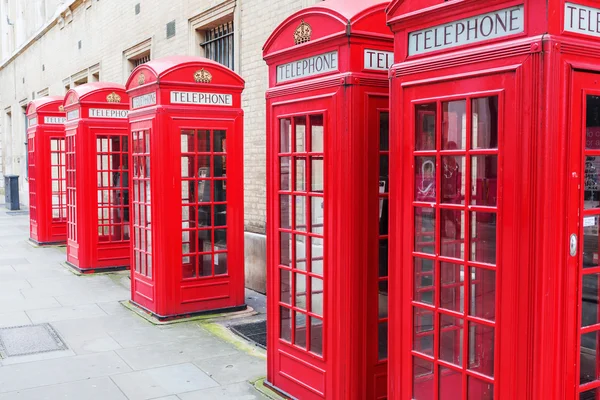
point(255, 332)
point(29, 339)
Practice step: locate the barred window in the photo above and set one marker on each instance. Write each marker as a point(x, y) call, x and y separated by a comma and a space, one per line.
point(218, 44)
point(142, 60)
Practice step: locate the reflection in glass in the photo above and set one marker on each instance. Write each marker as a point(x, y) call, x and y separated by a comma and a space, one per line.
point(590, 241)
point(588, 358)
point(384, 131)
point(285, 136)
point(317, 173)
point(590, 394)
point(425, 179)
point(481, 349)
point(484, 180)
point(300, 291)
point(316, 296)
point(589, 300)
point(285, 211)
point(423, 331)
point(316, 336)
point(316, 122)
point(316, 256)
point(483, 294)
point(451, 339)
point(383, 258)
point(382, 340)
point(423, 383)
point(450, 384)
point(425, 126)
point(301, 174)
point(424, 280)
point(479, 389)
point(300, 123)
point(285, 173)
point(285, 252)
point(454, 125)
point(317, 211)
point(451, 287)
point(425, 230)
point(452, 227)
point(285, 322)
point(301, 252)
point(301, 213)
point(285, 285)
point(453, 179)
point(484, 114)
point(483, 237)
point(300, 339)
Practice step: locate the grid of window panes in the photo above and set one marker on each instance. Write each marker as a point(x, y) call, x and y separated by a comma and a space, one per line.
point(589, 331)
point(301, 232)
point(71, 168)
point(141, 203)
point(455, 264)
point(113, 187)
point(203, 203)
point(58, 176)
point(384, 190)
point(32, 179)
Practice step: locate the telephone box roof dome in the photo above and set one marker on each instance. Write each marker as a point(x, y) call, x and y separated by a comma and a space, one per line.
point(97, 92)
point(48, 103)
point(327, 18)
point(170, 69)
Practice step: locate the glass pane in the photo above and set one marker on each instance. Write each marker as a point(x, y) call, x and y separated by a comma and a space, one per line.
point(300, 145)
point(220, 145)
point(589, 300)
point(285, 216)
point(301, 213)
point(316, 175)
point(189, 266)
point(382, 340)
point(382, 303)
point(452, 228)
point(285, 323)
point(483, 294)
point(425, 230)
point(204, 217)
point(481, 349)
point(424, 281)
point(316, 122)
point(285, 171)
point(451, 339)
point(301, 252)
point(484, 180)
point(453, 179)
point(454, 125)
point(425, 179)
point(317, 210)
point(301, 291)
point(592, 179)
point(384, 131)
point(450, 384)
point(451, 285)
point(220, 240)
point(316, 336)
point(423, 331)
point(483, 237)
point(285, 286)
point(485, 123)
point(316, 296)
point(480, 390)
point(285, 136)
point(423, 382)
point(300, 339)
point(593, 394)
point(205, 265)
point(590, 241)
point(316, 256)
point(425, 116)
point(383, 258)
point(285, 255)
point(203, 141)
point(588, 357)
point(300, 174)
point(187, 167)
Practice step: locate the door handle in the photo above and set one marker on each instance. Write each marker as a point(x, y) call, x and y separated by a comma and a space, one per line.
point(573, 245)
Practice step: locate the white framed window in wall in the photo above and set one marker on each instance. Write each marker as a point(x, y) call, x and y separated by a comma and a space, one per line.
point(137, 55)
point(214, 36)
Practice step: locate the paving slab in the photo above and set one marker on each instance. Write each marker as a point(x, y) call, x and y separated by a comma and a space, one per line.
point(233, 368)
point(164, 381)
point(236, 391)
point(63, 313)
point(16, 318)
point(28, 304)
point(89, 389)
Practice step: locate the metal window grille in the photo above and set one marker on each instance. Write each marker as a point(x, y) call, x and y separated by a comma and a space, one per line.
point(139, 61)
point(218, 45)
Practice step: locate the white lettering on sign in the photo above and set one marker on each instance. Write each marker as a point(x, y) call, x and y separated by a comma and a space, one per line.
point(33, 121)
point(378, 60)
point(589, 221)
point(211, 99)
point(54, 120)
point(143, 100)
point(108, 113)
point(310, 66)
point(582, 19)
point(72, 115)
point(497, 24)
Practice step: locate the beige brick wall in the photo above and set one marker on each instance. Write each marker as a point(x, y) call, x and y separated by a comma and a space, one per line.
point(109, 27)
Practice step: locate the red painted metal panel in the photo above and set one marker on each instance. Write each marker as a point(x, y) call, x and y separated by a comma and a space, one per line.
point(47, 173)
point(327, 201)
point(186, 129)
point(97, 169)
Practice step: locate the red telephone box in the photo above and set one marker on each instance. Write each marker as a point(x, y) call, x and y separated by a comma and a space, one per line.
point(97, 152)
point(47, 174)
point(495, 151)
point(327, 198)
point(188, 213)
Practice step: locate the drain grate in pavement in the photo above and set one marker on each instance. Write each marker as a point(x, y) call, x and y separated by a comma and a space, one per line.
point(255, 332)
point(29, 339)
